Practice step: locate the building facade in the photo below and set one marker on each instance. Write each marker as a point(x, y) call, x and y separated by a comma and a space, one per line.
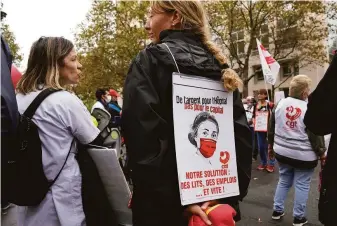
point(283, 35)
point(289, 68)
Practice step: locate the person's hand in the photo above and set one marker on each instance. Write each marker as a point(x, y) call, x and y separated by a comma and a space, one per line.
point(271, 152)
point(322, 158)
point(207, 204)
point(196, 209)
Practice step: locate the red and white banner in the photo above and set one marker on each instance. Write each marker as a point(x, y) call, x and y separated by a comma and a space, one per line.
point(270, 67)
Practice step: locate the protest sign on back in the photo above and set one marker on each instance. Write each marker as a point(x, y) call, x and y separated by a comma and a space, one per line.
point(204, 139)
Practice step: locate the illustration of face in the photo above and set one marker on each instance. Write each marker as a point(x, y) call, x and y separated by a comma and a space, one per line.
point(206, 138)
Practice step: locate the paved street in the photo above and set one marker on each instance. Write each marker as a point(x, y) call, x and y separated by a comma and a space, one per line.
point(257, 206)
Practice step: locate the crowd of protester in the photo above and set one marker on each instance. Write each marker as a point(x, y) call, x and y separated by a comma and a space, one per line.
point(293, 139)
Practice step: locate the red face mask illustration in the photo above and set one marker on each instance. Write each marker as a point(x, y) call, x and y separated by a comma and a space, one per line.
point(207, 147)
point(206, 138)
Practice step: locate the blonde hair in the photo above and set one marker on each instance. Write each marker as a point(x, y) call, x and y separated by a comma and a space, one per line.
point(193, 17)
point(298, 85)
point(46, 56)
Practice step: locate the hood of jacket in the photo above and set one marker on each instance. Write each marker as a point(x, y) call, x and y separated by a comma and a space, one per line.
point(189, 52)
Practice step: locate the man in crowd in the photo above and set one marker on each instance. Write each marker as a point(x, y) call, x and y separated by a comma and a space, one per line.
point(114, 108)
point(103, 99)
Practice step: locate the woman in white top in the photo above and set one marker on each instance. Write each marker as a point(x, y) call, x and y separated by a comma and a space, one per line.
point(61, 118)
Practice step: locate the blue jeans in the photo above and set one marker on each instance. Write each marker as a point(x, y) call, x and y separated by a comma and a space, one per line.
point(263, 149)
point(301, 178)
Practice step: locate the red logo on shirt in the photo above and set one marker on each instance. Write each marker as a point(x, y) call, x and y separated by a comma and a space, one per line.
point(292, 114)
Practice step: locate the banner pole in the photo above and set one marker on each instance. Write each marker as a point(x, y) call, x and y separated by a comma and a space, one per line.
point(265, 85)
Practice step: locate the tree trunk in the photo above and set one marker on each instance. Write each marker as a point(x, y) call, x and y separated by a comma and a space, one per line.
point(245, 82)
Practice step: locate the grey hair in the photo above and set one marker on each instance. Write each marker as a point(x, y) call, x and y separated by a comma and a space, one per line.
point(298, 85)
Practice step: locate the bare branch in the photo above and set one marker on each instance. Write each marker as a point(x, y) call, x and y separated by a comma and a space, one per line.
point(249, 78)
point(290, 52)
point(258, 14)
point(243, 14)
point(230, 48)
point(281, 83)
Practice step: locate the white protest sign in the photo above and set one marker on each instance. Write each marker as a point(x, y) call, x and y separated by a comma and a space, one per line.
point(204, 139)
point(261, 121)
point(279, 95)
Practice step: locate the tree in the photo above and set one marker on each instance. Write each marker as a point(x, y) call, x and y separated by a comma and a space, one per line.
point(107, 41)
point(11, 41)
point(288, 29)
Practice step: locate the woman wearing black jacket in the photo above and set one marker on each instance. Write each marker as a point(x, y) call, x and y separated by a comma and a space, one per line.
point(320, 118)
point(147, 119)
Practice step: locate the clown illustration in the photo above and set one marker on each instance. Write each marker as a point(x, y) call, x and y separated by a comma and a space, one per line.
point(204, 135)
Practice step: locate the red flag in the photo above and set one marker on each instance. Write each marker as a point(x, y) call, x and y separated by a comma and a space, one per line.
point(16, 75)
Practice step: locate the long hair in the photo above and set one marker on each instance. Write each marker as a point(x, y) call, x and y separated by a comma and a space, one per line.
point(46, 56)
point(193, 17)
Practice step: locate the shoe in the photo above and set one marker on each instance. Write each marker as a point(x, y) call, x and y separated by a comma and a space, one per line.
point(300, 221)
point(270, 169)
point(277, 215)
point(261, 167)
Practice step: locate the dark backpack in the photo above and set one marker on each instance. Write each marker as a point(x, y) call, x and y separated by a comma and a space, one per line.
point(26, 182)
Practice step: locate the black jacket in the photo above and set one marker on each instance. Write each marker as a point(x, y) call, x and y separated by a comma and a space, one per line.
point(9, 111)
point(147, 124)
point(9, 108)
point(321, 119)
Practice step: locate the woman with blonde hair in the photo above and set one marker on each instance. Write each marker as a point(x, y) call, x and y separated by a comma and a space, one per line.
point(296, 149)
point(62, 121)
point(147, 120)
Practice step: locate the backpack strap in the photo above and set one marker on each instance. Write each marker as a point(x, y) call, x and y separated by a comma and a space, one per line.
point(65, 161)
point(30, 111)
point(174, 59)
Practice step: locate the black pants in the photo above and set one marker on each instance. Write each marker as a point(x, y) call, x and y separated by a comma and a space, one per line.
point(255, 147)
point(156, 208)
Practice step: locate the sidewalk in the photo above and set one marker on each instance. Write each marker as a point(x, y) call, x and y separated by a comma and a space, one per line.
point(257, 207)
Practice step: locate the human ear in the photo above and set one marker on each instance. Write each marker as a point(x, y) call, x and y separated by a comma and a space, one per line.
point(176, 20)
